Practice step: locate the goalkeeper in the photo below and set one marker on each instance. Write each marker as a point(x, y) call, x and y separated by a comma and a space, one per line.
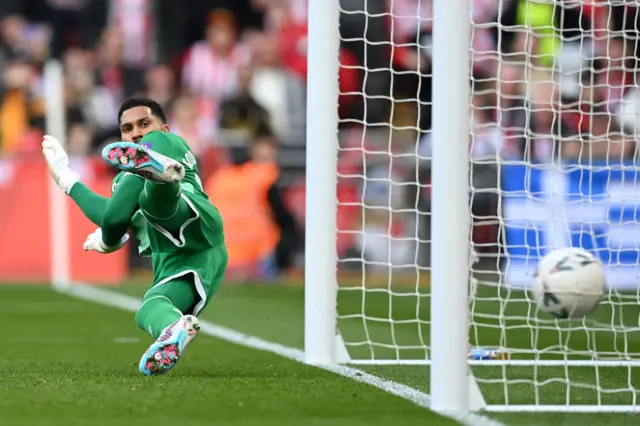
point(158, 194)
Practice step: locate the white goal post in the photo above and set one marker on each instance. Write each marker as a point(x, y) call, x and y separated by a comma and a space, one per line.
point(55, 125)
point(465, 313)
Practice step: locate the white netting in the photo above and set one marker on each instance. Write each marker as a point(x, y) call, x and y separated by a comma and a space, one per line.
point(553, 121)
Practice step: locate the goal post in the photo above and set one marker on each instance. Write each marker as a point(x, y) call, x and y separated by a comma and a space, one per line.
point(321, 178)
point(55, 125)
point(511, 131)
point(450, 199)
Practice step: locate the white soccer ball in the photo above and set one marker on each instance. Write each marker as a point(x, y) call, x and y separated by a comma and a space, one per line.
point(569, 283)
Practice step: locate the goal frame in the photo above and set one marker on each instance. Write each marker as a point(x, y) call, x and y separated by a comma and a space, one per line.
point(449, 364)
point(55, 125)
point(449, 325)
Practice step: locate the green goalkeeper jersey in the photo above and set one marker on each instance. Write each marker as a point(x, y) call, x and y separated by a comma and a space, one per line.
point(195, 247)
point(203, 230)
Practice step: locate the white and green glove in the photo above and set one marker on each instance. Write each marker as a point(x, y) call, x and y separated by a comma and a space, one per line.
point(58, 162)
point(94, 242)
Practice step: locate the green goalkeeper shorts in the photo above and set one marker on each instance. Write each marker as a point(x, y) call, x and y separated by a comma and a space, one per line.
point(206, 270)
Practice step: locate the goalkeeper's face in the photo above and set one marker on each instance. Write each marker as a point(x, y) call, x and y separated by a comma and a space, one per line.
point(137, 122)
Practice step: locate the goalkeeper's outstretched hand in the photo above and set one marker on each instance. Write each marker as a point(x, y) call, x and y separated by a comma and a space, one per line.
point(94, 242)
point(58, 162)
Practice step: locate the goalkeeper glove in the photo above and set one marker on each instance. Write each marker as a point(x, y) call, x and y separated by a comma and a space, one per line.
point(58, 162)
point(94, 242)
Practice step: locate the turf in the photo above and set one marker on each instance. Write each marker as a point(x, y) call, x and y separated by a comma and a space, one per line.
point(72, 362)
point(69, 362)
point(276, 313)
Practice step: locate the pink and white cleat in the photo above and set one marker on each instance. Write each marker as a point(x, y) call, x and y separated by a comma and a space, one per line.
point(143, 161)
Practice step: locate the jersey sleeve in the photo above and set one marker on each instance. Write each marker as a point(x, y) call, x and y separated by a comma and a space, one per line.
point(120, 208)
point(91, 204)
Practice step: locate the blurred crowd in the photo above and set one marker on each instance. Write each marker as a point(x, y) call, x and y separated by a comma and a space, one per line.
point(548, 77)
point(223, 70)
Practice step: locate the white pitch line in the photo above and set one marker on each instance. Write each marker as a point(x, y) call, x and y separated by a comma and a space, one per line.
point(129, 303)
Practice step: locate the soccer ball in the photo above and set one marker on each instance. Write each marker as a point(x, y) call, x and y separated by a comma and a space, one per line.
point(569, 283)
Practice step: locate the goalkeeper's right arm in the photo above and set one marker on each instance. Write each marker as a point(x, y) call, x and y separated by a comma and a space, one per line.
point(113, 215)
point(92, 205)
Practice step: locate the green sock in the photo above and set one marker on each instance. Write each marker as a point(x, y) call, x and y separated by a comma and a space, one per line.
point(160, 200)
point(156, 313)
point(164, 304)
point(163, 205)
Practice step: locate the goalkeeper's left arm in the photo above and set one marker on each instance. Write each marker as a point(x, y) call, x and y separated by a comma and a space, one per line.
point(120, 208)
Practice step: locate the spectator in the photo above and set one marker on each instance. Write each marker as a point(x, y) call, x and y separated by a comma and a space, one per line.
point(382, 242)
point(134, 21)
point(603, 144)
point(242, 119)
point(484, 47)
point(261, 232)
point(21, 107)
point(121, 80)
point(66, 19)
point(137, 21)
point(409, 29)
point(90, 103)
point(511, 107)
point(281, 93)
point(211, 65)
point(161, 85)
point(191, 117)
point(276, 16)
point(292, 38)
point(13, 35)
point(79, 141)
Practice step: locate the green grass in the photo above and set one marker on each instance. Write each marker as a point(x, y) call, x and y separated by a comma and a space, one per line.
point(276, 313)
point(72, 362)
point(69, 362)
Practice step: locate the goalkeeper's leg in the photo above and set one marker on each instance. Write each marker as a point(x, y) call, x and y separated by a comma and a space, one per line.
point(143, 161)
point(161, 315)
point(160, 201)
point(163, 205)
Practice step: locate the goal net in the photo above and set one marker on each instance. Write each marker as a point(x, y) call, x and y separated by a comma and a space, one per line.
point(552, 114)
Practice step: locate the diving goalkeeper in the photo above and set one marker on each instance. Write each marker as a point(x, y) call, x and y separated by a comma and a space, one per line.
point(158, 195)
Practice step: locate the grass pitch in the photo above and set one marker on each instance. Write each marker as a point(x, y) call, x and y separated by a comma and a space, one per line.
point(71, 362)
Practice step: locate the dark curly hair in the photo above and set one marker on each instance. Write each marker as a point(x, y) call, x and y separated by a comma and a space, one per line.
point(154, 106)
